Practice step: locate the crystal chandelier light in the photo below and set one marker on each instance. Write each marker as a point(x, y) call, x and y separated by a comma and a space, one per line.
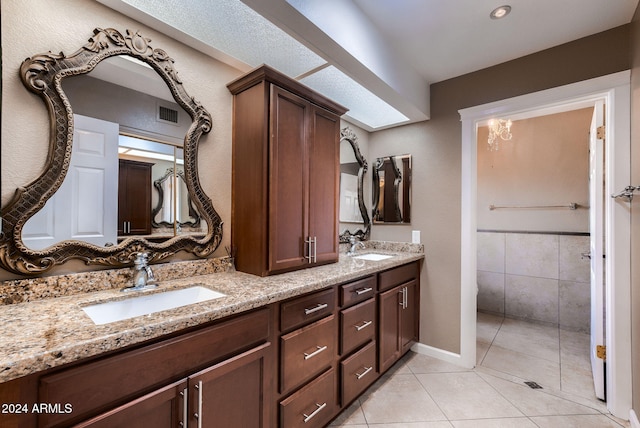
point(498, 128)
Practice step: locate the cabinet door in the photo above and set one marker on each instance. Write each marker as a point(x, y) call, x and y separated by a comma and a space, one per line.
point(288, 178)
point(162, 408)
point(408, 317)
point(233, 393)
point(134, 198)
point(324, 169)
point(389, 327)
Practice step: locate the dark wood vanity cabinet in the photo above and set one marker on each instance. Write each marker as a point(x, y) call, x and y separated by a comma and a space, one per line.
point(220, 373)
point(134, 198)
point(398, 312)
point(227, 394)
point(297, 362)
point(308, 380)
point(358, 327)
point(285, 174)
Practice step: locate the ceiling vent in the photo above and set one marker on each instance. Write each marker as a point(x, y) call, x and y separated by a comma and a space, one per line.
point(167, 115)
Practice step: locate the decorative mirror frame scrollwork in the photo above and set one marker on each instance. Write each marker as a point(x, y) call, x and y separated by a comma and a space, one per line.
point(347, 134)
point(397, 178)
point(193, 213)
point(43, 74)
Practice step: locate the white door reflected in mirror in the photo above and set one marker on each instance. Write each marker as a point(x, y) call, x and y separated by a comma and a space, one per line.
point(81, 208)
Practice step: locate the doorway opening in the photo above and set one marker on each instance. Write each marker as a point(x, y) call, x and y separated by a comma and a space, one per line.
point(533, 241)
point(615, 91)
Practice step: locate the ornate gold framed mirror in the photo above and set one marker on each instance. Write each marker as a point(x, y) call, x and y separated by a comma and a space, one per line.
point(44, 74)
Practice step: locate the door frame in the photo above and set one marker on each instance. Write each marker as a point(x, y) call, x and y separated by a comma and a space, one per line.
point(615, 90)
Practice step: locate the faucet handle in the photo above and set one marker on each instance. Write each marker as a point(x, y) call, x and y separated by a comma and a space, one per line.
point(141, 258)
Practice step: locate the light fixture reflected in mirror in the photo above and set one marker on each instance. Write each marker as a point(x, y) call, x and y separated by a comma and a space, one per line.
point(498, 128)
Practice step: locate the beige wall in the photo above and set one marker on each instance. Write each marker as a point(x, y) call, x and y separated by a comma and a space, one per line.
point(30, 28)
point(635, 209)
point(545, 163)
point(436, 149)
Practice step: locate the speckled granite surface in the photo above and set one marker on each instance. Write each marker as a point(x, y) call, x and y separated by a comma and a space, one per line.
point(39, 333)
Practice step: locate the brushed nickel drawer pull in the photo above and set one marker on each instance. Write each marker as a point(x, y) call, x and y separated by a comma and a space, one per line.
point(315, 249)
point(185, 407)
point(198, 415)
point(307, 418)
point(364, 373)
point(365, 325)
point(309, 243)
point(316, 352)
point(363, 290)
point(321, 306)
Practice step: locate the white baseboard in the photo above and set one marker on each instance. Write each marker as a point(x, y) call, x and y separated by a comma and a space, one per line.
point(633, 419)
point(440, 354)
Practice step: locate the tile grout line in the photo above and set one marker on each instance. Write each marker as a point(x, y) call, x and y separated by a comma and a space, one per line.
point(427, 392)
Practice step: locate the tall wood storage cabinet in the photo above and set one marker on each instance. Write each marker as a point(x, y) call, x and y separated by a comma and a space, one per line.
point(285, 174)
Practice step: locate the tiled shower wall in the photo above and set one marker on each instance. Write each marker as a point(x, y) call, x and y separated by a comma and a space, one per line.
point(535, 276)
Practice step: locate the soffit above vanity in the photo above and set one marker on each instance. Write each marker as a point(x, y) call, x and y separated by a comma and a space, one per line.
point(376, 58)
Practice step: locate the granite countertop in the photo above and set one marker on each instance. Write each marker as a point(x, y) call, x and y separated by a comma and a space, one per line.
point(50, 332)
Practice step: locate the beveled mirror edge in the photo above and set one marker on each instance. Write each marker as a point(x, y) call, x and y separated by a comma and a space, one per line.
point(347, 134)
point(43, 75)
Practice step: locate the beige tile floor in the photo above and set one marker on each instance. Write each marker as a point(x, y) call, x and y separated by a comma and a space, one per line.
point(423, 392)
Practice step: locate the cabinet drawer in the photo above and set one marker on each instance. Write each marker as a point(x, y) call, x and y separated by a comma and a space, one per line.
point(302, 310)
point(357, 325)
point(398, 276)
point(306, 352)
point(313, 405)
point(96, 386)
point(358, 372)
point(357, 291)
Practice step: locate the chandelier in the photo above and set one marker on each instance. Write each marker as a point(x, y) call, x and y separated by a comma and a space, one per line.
point(498, 128)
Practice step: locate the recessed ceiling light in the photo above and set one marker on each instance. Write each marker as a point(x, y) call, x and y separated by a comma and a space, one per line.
point(500, 12)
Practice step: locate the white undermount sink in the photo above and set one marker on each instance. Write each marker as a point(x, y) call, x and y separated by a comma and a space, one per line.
point(108, 312)
point(373, 256)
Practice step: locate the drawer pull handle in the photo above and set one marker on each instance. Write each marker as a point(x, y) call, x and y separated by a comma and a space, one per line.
point(364, 325)
point(307, 418)
point(316, 352)
point(363, 290)
point(185, 407)
point(364, 373)
point(321, 306)
point(198, 386)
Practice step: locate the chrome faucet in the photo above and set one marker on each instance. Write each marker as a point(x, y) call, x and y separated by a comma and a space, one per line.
point(143, 278)
point(354, 246)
